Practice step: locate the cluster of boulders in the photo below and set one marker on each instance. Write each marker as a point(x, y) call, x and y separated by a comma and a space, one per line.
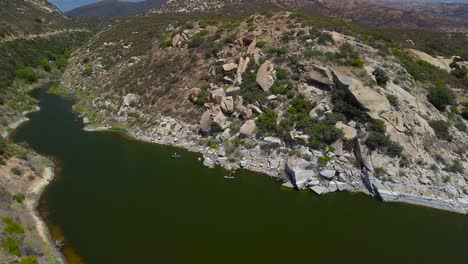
point(179, 39)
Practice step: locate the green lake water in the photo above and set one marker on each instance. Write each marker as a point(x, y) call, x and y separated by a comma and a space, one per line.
point(117, 200)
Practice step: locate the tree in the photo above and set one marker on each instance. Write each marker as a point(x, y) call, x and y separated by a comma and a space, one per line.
point(28, 74)
point(441, 97)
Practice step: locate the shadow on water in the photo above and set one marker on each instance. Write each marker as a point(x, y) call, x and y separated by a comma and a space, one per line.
point(116, 200)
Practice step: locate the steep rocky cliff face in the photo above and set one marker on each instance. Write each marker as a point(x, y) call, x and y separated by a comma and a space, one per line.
point(282, 93)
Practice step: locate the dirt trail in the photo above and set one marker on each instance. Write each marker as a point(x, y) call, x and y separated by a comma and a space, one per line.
point(42, 35)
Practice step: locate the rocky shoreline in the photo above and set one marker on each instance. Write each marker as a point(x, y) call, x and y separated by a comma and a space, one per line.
point(282, 166)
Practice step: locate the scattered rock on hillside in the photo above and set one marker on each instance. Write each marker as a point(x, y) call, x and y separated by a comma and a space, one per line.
point(229, 67)
point(265, 76)
point(227, 105)
point(218, 94)
point(349, 131)
point(130, 99)
point(248, 128)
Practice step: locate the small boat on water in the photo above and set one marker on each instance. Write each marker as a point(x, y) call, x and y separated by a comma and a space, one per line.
point(228, 177)
point(176, 155)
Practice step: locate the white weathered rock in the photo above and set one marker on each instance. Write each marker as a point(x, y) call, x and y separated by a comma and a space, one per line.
point(266, 76)
point(299, 171)
point(272, 140)
point(319, 189)
point(86, 120)
point(248, 128)
point(205, 122)
point(328, 174)
point(208, 162)
point(338, 147)
point(130, 99)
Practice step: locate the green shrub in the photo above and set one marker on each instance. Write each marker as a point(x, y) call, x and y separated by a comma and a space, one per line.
point(28, 74)
point(88, 71)
point(456, 166)
point(323, 161)
point(393, 100)
point(278, 51)
point(12, 246)
point(203, 96)
point(19, 198)
point(250, 91)
point(380, 141)
point(464, 113)
point(441, 97)
point(45, 65)
point(380, 76)
point(325, 38)
point(281, 74)
point(166, 44)
point(12, 228)
point(28, 260)
point(441, 129)
point(266, 123)
point(379, 171)
point(377, 125)
point(261, 43)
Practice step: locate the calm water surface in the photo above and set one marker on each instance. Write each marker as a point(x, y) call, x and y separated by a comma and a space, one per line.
point(116, 200)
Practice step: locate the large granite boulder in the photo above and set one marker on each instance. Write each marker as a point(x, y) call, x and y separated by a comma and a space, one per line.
point(300, 171)
point(266, 76)
point(205, 122)
point(248, 128)
point(219, 122)
point(320, 77)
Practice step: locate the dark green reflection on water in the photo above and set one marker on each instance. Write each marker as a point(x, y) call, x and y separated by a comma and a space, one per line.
point(123, 201)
